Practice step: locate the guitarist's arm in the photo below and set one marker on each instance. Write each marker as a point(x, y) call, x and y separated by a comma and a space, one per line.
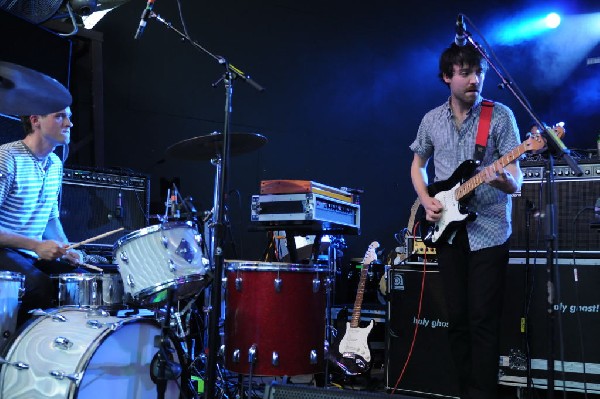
point(507, 180)
point(418, 174)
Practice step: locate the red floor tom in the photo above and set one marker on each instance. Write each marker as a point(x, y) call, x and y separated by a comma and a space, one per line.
point(275, 318)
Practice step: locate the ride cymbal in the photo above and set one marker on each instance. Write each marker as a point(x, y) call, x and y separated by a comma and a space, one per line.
point(24, 91)
point(207, 147)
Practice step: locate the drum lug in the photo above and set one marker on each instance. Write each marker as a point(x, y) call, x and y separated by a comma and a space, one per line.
point(275, 359)
point(55, 317)
point(236, 356)
point(94, 324)
point(252, 354)
point(277, 282)
point(61, 375)
point(130, 281)
point(124, 257)
point(172, 267)
point(63, 343)
point(238, 283)
point(17, 365)
point(185, 251)
point(313, 356)
point(316, 285)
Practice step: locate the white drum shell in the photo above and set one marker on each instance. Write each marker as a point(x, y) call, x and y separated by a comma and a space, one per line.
point(157, 257)
point(113, 360)
point(12, 286)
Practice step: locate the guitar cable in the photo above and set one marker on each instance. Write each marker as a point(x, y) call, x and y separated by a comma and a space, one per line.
point(414, 339)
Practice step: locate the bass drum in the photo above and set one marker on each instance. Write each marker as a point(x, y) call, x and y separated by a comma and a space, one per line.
point(81, 353)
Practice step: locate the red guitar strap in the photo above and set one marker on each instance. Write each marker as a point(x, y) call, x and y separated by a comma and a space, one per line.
point(483, 130)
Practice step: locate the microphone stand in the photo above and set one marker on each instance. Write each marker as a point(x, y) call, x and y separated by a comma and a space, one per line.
point(557, 148)
point(216, 258)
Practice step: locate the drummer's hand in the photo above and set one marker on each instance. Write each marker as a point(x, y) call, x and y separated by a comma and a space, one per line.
point(50, 250)
point(73, 256)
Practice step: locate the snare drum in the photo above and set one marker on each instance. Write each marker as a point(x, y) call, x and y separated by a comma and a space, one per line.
point(12, 287)
point(275, 318)
point(77, 353)
point(159, 257)
point(89, 289)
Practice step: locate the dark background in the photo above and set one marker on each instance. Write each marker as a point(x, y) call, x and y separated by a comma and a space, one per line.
point(347, 83)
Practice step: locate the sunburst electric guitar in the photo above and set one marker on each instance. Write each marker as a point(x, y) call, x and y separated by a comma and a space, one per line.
point(353, 355)
point(452, 193)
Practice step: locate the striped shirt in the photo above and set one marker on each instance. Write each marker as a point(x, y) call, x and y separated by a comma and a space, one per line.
point(28, 190)
point(453, 146)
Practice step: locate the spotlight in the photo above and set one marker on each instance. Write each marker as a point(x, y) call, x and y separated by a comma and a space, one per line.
point(552, 20)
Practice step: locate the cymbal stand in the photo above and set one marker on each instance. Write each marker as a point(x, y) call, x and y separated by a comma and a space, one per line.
point(335, 244)
point(231, 73)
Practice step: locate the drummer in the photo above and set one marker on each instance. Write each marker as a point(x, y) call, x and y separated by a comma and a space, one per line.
point(32, 240)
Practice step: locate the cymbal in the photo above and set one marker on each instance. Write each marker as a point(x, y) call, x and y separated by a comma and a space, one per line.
point(211, 145)
point(24, 91)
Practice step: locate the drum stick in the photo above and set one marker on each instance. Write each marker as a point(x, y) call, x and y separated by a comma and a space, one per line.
point(92, 267)
point(72, 246)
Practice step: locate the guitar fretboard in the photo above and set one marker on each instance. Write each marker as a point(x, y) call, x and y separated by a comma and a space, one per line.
point(467, 187)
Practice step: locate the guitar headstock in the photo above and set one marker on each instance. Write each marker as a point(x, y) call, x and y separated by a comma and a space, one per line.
point(558, 130)
point(370, 255)
point(535, 143)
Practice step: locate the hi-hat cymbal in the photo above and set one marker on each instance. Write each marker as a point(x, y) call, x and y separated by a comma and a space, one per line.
point(209, 146)
point(24, 91)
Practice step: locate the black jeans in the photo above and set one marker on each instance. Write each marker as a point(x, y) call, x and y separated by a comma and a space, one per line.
point(474, 292)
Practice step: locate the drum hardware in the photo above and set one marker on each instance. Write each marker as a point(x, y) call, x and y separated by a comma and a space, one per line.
point(17, 365)
point(162, 367)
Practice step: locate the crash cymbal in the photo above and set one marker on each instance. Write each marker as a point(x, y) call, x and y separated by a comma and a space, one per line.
point(24, 91)
point(207, 147)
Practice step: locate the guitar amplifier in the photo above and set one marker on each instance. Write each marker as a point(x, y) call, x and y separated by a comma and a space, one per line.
point(575, 199)
point(94, 201)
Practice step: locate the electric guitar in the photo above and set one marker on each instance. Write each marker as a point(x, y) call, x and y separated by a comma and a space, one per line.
point(353, 355)
point(453, 192)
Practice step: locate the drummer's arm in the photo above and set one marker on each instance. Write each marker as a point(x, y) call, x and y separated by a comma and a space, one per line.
point(45, 249)
point(55, 232)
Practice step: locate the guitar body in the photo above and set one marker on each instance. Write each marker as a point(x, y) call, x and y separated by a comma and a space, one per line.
point(455, 213)
point(353, 355)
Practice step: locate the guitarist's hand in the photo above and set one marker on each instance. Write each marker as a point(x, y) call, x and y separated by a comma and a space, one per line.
point(501, 179)
point(433, 209)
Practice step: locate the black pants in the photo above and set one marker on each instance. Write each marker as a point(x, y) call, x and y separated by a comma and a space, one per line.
point(39, 288)
point(474, 292)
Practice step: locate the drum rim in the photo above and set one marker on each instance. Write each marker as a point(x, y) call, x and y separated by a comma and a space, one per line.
point(7, 275)
point(246, 265)
point(145, 296)
point(144, 231)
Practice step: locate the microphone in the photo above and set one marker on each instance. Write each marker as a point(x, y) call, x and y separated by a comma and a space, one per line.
point(460, 39)
point(144, 19)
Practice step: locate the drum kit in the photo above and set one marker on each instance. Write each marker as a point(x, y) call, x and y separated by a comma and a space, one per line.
point(136, 327)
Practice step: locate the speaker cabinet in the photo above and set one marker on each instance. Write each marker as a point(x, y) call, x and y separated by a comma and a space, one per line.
point(576, 327)
point(289, 391)
point(94, 202)
point(430, 368)
point(575, 199)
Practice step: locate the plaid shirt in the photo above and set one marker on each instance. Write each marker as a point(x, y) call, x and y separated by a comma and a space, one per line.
point(438, 133)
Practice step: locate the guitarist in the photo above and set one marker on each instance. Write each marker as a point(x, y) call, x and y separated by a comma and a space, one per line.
point(472, 259)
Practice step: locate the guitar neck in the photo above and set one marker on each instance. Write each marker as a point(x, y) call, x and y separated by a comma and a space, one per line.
point(359, 297)
point(467, 187)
